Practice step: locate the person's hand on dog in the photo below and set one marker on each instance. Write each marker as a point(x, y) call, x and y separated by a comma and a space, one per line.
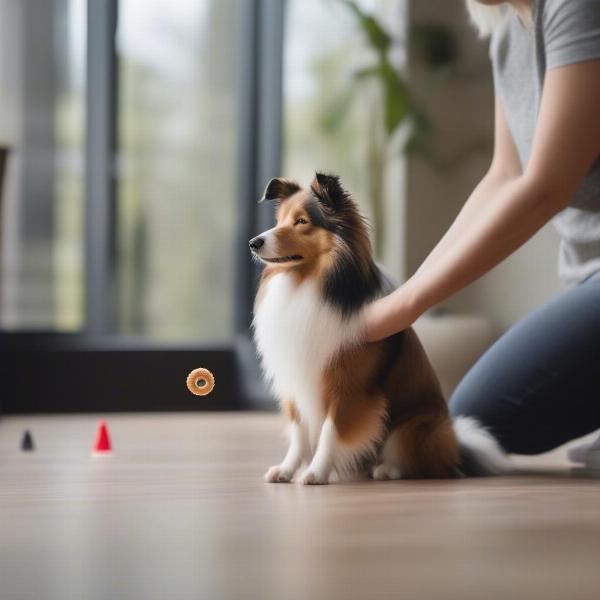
point(390, 314)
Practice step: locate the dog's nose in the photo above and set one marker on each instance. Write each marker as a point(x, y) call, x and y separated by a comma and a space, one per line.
point(256, 243)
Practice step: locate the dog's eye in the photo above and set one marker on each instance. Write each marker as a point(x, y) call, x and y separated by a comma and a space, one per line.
point(301, 221)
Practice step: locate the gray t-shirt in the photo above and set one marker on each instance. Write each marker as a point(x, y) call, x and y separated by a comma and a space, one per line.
point(565, 32)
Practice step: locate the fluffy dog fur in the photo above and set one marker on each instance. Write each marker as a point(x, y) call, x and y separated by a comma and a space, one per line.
point(353, 408)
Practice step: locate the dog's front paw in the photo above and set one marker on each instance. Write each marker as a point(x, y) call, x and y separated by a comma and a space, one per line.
point(279, 474)
point(311, 477)
point(385, 472)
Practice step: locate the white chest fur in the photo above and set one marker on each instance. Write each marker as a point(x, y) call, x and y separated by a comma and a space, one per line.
point(297, 334)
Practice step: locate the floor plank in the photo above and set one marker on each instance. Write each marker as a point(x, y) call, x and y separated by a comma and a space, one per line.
point(180, 511)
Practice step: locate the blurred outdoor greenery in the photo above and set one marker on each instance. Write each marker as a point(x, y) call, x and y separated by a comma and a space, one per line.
point(178, 128)
point(69, 179)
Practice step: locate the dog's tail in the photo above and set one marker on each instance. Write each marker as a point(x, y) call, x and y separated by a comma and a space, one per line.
point(480, 453)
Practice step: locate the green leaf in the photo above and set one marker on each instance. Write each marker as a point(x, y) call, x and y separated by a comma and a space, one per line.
point(376, 35)
point(420, 137)
point(396, 96)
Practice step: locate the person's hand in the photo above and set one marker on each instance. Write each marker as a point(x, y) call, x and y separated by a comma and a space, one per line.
point(389, 315)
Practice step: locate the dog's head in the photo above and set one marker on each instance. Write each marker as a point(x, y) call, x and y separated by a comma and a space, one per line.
point(310, 223)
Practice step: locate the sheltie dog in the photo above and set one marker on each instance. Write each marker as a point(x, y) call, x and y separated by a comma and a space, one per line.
point(355, 409)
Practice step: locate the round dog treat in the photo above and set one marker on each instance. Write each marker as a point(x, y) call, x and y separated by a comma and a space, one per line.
point(201, 382)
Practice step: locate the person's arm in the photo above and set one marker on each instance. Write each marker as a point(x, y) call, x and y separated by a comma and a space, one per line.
point(507, 208)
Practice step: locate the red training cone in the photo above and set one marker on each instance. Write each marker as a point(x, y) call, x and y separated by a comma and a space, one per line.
point(102, 444)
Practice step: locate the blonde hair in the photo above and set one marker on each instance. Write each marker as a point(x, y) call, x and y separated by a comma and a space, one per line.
point(486, 18)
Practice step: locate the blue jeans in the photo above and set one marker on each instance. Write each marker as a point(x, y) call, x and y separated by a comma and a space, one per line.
point(538, 386)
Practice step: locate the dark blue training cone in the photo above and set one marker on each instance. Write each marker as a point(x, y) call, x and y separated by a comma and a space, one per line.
point(27, 444)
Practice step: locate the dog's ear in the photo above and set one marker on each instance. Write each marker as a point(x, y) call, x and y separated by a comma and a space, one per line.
point(279, 189)
point(329, 191)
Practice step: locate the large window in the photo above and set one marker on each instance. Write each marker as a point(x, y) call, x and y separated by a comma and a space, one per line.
point(176, 195)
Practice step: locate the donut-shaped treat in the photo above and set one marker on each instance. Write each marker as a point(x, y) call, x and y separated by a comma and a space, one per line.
point(201, 382)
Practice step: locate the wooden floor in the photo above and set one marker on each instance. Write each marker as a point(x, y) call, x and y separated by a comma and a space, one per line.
point(181, 511)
